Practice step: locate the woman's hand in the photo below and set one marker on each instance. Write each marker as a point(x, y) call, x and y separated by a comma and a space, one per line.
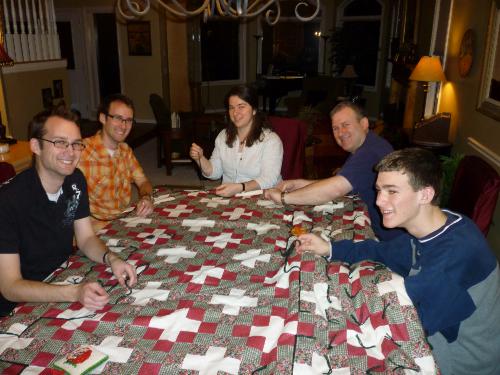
point(228, 190)
point(196, 152)
point(313, 243)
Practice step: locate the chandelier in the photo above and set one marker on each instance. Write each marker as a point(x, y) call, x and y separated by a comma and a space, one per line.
point(131, 9)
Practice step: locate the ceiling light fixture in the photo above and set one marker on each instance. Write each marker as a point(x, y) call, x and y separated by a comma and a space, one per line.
point(131, 9)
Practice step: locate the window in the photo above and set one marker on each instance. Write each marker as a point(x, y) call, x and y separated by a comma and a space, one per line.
point(221, 53)
point(291, 46)
point(360, 21)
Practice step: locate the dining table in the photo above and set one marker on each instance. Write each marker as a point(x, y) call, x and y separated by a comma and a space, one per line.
point(222, 290)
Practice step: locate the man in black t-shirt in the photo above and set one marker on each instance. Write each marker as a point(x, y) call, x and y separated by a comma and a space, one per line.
point(43, 208)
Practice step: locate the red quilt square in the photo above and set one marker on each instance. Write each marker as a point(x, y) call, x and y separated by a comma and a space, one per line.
point(241, 331)
point(110, 317)
point(186, 336)
point(207, 328)
point(399, 332)
point(196, 314)
point(256, 342)
point(142, 321)
point(261, 320)
point(150, 369)
point(43, 359)
point(306, 329)
point(62, 334)
point(152, 334)
point(163, 346)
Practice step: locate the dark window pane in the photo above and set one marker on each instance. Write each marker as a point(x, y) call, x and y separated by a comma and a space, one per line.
point(220, 52)
point(291, 47)
point(361, 45)
point(363, 8)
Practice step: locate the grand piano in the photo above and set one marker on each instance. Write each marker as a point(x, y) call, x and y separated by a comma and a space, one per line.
point(275, 87)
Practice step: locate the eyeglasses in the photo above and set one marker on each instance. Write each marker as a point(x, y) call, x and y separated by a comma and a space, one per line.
point(118, 118)
point(62, 144)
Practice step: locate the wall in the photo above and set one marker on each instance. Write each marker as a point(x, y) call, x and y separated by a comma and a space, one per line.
point(459, 95)
point(140, 75)
point(23, 96)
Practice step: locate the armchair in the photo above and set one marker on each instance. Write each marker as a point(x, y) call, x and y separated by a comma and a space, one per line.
point(475, 191)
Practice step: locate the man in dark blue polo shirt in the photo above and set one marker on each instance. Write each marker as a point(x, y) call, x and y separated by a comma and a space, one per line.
point(350, 129)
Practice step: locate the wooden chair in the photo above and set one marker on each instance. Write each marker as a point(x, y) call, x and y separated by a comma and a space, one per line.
point(475, 191)
point(7, 171)
point(166, 135)
point(293, 133)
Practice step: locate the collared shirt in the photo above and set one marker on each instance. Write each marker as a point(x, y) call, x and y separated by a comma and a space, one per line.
point(261, 162)
point(108, 177)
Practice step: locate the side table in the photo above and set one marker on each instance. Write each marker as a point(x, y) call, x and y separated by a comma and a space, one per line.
point(19, 156)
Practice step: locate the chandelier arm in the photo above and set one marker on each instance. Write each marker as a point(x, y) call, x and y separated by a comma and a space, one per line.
point(224, 8)
point(263, 8)
point(313, 16)
point(269, 14)
point(122, 13)
point(231, 8)
point(183, 11)
point(135, 9)
point(253, 4)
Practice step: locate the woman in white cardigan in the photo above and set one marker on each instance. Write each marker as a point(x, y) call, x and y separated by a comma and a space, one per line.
point(247, 153)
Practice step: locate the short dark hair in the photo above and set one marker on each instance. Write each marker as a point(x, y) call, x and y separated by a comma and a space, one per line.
point(106, 103)
point(358, 110)
point(422, 167)
point(249, 95)
point(36, 127)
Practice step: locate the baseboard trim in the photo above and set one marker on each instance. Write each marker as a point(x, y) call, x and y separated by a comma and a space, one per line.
point(492, 156)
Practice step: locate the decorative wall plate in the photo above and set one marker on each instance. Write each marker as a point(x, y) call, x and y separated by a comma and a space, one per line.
point(465, 56)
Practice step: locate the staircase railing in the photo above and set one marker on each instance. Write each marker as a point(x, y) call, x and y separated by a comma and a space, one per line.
point(30, 30)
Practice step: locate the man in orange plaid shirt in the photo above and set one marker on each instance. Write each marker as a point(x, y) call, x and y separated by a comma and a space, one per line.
point(110, 167)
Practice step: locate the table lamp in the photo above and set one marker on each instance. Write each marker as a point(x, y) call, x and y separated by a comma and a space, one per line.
point(428, 69)
point(349, 75)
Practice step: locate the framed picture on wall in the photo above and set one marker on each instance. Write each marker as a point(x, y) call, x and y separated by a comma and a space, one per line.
point(47, 98)
point(57, 85)
point(139, 38)
point(489, 91)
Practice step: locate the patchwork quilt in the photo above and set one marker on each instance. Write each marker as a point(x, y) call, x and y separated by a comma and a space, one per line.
point(221, 290)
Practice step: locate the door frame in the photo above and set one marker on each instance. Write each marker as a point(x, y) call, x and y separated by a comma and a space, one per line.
point(84, 48)
point(79, 88)
point(91, 56)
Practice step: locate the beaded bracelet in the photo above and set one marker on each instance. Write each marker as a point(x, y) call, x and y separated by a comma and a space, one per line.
point(243, 185)
point(283, 193)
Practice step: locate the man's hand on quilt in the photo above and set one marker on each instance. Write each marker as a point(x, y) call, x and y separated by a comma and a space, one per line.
point(312, 243)
point(123, 271)
point(92, 296)
point(144, 206)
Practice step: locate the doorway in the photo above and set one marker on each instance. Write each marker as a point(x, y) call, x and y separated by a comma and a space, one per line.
point(93, 44)
point(108, 65)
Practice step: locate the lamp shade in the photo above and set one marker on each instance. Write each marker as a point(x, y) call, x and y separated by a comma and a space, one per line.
point(428, 69)
point(349, 72)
